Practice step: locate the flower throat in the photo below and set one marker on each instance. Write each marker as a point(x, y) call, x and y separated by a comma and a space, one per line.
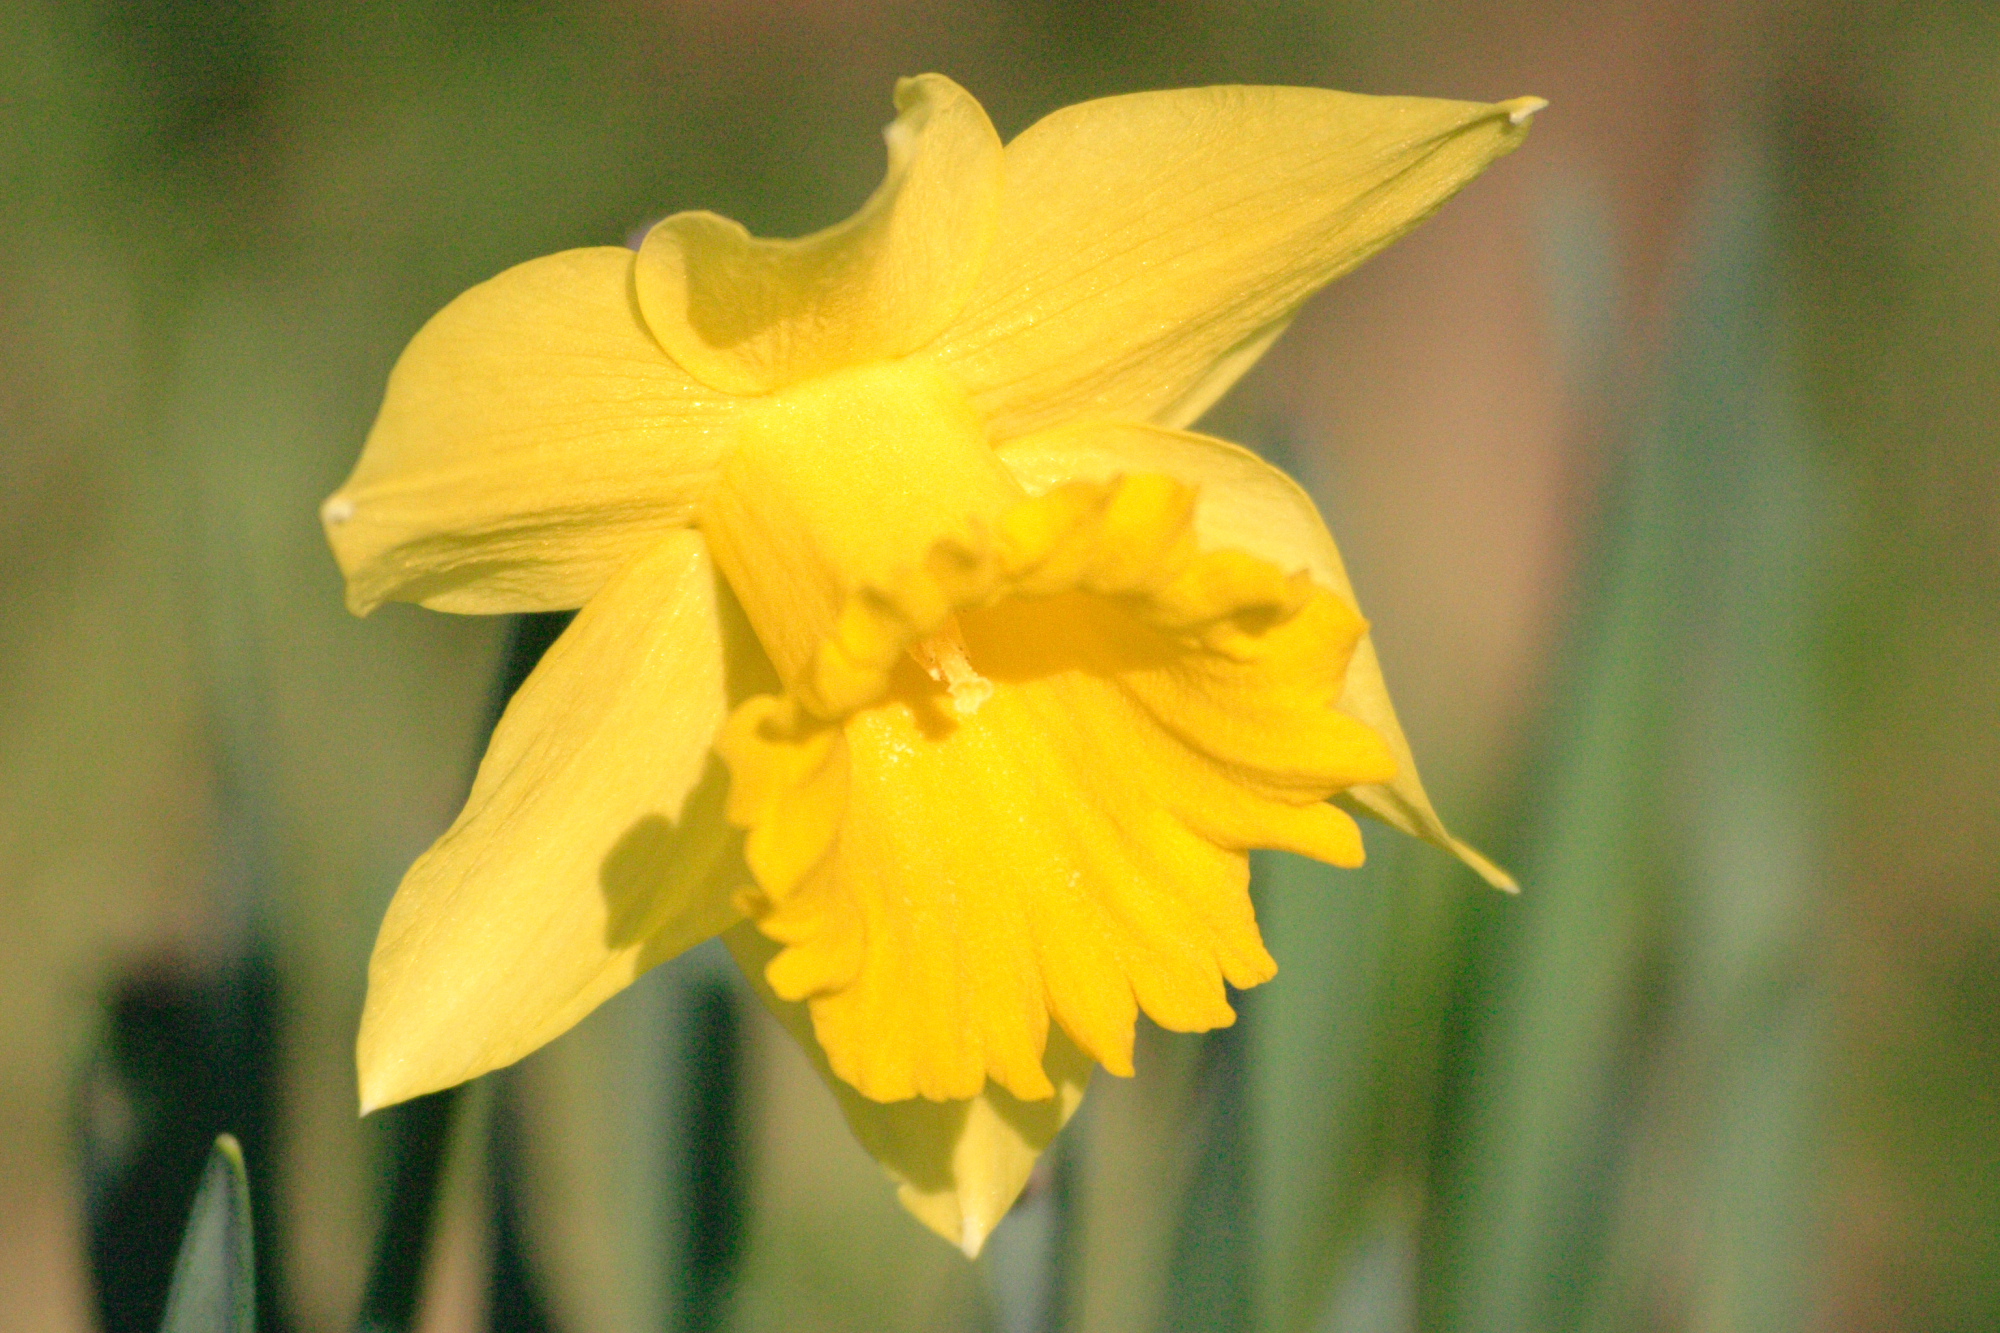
point(838, 486)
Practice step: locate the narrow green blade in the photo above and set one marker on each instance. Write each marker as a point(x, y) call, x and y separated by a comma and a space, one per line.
point(215, 1286)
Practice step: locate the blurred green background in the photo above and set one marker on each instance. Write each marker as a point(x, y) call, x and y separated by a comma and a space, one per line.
point(1665, 462)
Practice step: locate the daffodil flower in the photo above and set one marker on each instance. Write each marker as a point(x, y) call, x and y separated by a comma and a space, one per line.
point(923, 651)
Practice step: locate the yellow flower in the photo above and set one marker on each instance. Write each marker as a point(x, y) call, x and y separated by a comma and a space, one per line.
point(922, 649)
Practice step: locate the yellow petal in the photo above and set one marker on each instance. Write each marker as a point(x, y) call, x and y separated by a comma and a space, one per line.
point(748, 315)
point(839, 484)
point(947, 874)
point(534, 439)
point(1150, 246)
point(593, 844)
point(959, 1165)
point(1246, 504)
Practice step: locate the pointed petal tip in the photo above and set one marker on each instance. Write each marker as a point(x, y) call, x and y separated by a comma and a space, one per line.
point(962, 1219)
point(1484, 868)
point(1521, 110)
point(335, 513)
point(377, 1089)
point(383, 1092)
point(385, 1079)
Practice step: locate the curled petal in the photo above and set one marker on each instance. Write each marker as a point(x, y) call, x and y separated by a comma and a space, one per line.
point(1245, 504)
point(1151, 246)
point(593, 844)
point(747, 315)
point(534, 439)
point(958, 1165)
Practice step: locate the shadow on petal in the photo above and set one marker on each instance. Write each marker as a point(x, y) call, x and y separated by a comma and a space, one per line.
point(655, 851)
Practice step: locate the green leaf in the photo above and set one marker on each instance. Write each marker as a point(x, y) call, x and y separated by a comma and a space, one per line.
point(215, 1285)
point(1630, 1133)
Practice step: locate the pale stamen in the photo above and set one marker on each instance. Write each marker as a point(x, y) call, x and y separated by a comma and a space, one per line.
point(942, 656)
